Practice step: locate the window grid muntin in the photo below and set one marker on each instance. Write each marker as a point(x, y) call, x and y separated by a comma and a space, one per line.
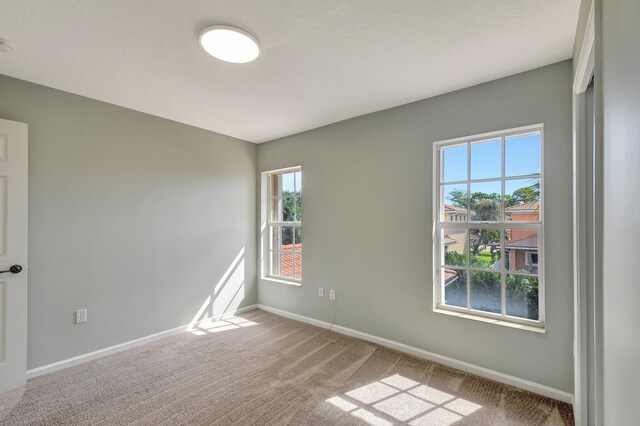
point(275, 183)
point(503, 224)
point(503, 195)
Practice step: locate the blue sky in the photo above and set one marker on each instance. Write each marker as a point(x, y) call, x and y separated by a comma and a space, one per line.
point(287, 181)
point(522, 157)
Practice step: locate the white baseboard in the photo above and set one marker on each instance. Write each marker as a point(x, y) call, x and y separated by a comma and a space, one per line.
point(419, 353)
point(301, 318)
point(430, 356)
point(49, 368)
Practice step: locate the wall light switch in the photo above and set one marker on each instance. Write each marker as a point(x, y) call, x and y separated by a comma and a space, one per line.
point(332, 294)
point(81, 316)
point(320, 291)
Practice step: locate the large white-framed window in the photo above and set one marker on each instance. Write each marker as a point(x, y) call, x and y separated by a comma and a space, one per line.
point(284, 225)
point(489, 258)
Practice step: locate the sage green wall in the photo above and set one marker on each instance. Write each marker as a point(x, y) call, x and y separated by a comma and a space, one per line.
point(617, 69)
point(131, 216)
point(368, 218)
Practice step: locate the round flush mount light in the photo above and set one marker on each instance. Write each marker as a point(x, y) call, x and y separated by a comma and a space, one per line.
point(229, 44)
point(5, 46)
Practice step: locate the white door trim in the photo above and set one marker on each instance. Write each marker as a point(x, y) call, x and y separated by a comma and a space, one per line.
point(583, 272)
point(585, 62)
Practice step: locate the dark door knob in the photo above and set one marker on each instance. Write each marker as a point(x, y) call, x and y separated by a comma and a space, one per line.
point(14, 269)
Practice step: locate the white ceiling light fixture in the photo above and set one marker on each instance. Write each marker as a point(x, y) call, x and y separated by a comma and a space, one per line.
point(229, 44)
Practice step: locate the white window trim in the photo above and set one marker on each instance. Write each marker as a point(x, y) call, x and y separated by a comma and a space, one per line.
point(265, 229)
point(438, 293)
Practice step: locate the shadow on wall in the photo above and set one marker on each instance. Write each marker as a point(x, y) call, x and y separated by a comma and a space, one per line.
point(226, 296)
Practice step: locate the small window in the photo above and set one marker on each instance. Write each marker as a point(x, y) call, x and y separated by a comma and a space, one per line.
point(284, 219)
point(487, 255)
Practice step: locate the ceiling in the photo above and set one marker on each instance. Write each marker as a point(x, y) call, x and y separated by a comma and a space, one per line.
point(321, 61)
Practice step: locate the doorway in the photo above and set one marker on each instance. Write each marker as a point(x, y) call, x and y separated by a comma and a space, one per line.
point(13, 254)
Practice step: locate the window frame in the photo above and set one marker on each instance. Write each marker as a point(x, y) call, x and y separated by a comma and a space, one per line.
point(438, 225)
point(270, 225)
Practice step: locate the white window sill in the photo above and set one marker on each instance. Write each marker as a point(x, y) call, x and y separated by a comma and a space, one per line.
point(490, 320)
point(281, 281)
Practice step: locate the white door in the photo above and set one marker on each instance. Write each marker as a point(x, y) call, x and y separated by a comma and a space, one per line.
point(13, 254)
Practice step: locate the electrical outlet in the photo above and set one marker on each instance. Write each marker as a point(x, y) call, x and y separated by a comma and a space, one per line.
point(332, 294)
point(81, 316)
point(320, 291)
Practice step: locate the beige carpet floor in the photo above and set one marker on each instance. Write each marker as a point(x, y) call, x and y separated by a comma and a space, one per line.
point(262, 369)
